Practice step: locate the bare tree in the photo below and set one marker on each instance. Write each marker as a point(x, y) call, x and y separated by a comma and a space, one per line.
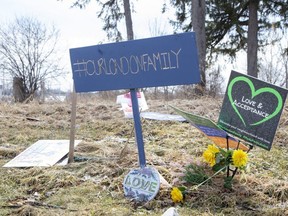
point(28, 53)
point(273, 60)
point(284, 53)
point(158, 28)
point(215, 81)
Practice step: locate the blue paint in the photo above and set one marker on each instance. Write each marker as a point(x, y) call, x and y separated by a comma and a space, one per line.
point(160, 61)
point(138, 128)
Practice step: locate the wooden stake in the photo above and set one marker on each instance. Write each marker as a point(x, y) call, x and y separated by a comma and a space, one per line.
point(72, 129)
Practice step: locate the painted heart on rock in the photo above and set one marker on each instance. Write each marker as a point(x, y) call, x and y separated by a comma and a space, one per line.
point(254, 93)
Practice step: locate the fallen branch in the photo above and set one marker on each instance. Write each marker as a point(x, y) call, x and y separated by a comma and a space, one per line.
point(36, 203)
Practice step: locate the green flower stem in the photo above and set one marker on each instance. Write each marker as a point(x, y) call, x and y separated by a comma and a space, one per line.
point(195, 187)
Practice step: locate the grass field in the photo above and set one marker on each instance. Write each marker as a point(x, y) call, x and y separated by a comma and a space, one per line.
point(92, 185)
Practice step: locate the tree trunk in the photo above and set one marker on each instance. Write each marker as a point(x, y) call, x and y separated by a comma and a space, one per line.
point(18, 90)
point(252, 43)
point(198, 24)
point(128, 20)
point(286, 74)
point(42, 92)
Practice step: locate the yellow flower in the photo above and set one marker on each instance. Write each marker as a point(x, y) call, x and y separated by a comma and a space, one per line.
point(213, 149)
point(209, 157)
point(176, 195)
point(209, 154)
point(239, 158)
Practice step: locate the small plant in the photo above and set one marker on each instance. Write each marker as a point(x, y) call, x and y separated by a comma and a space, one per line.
point(194, 174)
point(222, 160)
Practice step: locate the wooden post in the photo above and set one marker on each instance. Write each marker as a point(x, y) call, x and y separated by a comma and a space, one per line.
point(72, 129)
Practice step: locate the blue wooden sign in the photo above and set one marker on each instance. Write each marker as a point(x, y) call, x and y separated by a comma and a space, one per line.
point(160, 61)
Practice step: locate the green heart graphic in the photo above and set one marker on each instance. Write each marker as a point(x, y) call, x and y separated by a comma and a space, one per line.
point(254, 94)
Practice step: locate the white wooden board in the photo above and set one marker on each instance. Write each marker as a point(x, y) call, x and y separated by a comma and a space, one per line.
point(43, 153)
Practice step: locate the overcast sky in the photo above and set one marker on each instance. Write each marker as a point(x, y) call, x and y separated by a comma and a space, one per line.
point(78, 27)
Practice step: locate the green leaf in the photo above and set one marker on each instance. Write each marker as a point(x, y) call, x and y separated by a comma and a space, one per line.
point(218, 166)
point(223, 152)
point(182, 189)
point(228, 182)
point(194, 174)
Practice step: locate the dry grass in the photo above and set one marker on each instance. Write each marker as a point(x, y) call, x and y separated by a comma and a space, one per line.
point(93, 184)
